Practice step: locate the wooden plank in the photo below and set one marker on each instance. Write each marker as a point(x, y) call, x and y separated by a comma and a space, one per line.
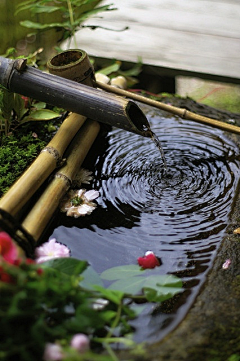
point(202, 36)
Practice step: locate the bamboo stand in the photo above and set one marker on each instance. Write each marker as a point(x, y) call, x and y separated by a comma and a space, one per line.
point(181, 112)
point(41, 213)
point(50, 157)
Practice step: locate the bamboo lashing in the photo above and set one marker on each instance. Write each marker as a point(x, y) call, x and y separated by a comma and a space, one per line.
point(181, 112)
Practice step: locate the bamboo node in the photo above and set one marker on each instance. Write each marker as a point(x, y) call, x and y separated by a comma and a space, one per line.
point(184, 114)
point(54, 152)
point(67, 180)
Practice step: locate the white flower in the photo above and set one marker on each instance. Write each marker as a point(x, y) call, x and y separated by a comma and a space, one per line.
point(79, 203)
point(50, 250)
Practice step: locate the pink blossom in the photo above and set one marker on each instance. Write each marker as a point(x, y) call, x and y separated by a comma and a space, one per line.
point(8, 249)
point(52, 352)
point(148, 261)
point(226, 264)
point(50, 250)
point(80, 342)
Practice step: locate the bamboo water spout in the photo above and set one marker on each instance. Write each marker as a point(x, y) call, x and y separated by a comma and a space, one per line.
point(93, 103)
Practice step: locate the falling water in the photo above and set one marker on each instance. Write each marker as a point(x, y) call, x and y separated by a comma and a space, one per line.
point(157, 142)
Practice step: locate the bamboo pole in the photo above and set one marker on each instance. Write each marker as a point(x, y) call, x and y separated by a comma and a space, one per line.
point(181, 112)
point(40, 215)
point(50, 157)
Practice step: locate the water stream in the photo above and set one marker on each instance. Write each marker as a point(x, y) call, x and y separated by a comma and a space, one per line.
point(181, 214)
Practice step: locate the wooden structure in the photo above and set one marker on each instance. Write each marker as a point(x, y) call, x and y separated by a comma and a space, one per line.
point(198, 38)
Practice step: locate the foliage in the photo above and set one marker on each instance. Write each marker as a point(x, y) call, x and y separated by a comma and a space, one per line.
point(55, 302)
point(72, 14)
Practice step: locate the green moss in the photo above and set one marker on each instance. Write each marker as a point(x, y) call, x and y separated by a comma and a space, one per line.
point(19, 149)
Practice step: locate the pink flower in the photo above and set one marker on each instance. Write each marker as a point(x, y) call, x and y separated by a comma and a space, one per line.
point(8, 249)
point(80, 342)
point(52, 352)
point(148, 261)
point(50, 250)
point(226, 264)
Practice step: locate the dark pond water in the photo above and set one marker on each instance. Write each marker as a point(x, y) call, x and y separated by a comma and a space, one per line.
point(180, 215)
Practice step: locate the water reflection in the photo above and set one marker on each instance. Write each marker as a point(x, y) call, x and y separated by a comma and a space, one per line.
point(181, 216)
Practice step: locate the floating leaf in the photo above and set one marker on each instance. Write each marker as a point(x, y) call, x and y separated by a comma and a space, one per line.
point(91, 278)
point(130, 285)
point(121, 272)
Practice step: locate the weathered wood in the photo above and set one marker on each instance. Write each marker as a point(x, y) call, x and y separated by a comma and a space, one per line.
point(201, 36)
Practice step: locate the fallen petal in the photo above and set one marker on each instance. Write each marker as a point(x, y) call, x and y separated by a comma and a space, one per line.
point(91, 195)
point(226, 264)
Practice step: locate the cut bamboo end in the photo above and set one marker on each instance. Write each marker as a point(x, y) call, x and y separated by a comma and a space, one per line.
point(31, 180)
point(40, 215)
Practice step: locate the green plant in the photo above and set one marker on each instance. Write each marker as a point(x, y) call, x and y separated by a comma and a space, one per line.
point(51, 302)
point(70, 14)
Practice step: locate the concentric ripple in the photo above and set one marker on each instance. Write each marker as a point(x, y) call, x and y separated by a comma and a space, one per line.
point(195, 193)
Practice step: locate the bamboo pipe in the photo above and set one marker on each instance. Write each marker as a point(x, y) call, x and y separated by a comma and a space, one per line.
point(38, 218)
point(181, 112)
point(93, 103)
point(50, 157)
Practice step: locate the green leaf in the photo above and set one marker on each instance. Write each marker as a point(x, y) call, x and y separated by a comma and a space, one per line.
point(111, 68)
point(7, 103)
point(69, 266)
point(121, 272)
point(19, 106)
point(164, 281)
point(91, 278)
point(161, 288)
point(39, 115)
point(40, 105)
point(130, 285)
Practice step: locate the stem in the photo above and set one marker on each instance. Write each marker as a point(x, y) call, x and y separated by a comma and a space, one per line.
point(70, 10)
point(111, 352)
point(115, 322)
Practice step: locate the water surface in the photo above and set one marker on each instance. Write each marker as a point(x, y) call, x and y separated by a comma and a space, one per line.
point(181, 214)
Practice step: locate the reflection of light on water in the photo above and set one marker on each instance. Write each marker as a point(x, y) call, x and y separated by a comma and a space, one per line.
point(181, 214)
